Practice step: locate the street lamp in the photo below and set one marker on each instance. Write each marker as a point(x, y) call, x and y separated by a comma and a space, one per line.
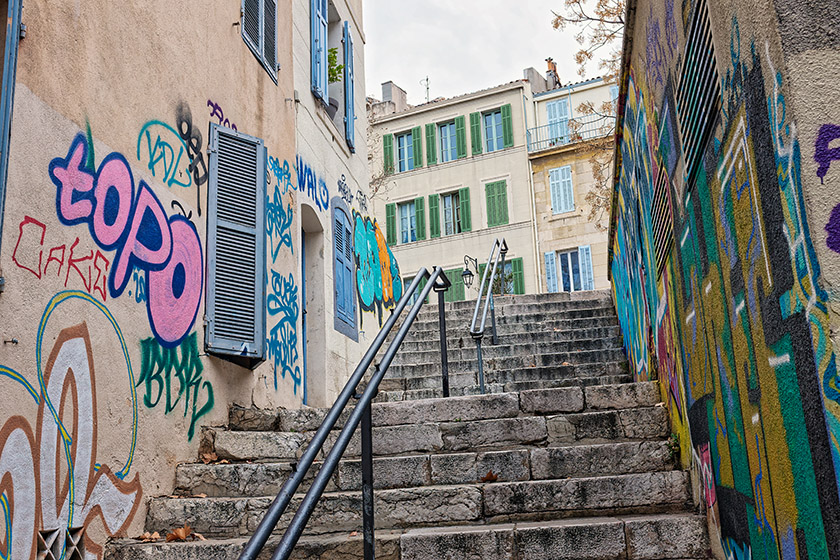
point(468, 274)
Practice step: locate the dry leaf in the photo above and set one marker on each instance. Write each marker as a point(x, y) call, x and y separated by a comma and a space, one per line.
point(490, 477)
point(209, 458)
point(566, 364)
point(224, 462)
point(179, 534)
point(198, 537)
point(148, 537)
point(354, 534)
point(200, 496)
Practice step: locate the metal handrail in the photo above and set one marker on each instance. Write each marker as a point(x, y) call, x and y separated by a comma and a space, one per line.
point(361, 414)
point(477, 331)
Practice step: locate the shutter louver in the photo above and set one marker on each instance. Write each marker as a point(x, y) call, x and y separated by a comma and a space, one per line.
point(568, 190)
point(475, 132)
point(507, 126)
point(319, 48)
point(518, 276)
point(434, 216)
point(349, 283)
point(431, 148)
point(270, 35)
point(391, 224)
point(420, 215)
point(338, 257)
point(461, 136)
point(466, 210)
point(556, 194)
point(251, 23)
point(417, 146)
point(236, 250)
point(388, 152)
point(502, 205)
point(551, 272)
point(585, 258)
point(490, 192)
point(349, 90)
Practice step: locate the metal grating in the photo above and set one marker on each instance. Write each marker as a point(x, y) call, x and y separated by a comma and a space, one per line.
point(661, 221)
point(236, 275)
point(698, 93)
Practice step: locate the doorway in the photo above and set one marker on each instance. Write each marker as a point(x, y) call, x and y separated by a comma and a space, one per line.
point(312, 303)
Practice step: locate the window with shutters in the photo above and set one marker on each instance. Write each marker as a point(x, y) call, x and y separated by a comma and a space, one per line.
point(451, 213)
point(408, 222)
point(493, 131)
point(562, 191)
point(514, 277)
point(448, 142)
point(10, 48)
point(349, 89)
point(497, 206)
point(236, 247)
point(405, 152)
point(569, 271)
point(344, 272)
point(558, 122)
point(698, 90)
point(259, 30)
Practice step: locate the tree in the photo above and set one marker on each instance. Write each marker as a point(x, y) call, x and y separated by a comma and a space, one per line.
point(380, 182)
point(600, 26)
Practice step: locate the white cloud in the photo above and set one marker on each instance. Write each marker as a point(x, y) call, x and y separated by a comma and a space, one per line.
point(461, 45)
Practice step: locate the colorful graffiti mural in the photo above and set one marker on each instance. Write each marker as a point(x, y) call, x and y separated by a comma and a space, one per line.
point(378, 281)
point(132, 222)
point(50, 478)
point(736, 325)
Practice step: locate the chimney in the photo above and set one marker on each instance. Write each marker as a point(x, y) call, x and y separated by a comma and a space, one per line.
point(393, 93)
point(551, 74)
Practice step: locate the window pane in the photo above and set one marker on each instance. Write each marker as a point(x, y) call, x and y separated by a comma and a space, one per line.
point(564, 269)
point(456, 211)
point(447, 214)
point(575, 269)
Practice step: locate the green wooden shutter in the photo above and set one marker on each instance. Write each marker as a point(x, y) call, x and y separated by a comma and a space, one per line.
point(475, 132)
point(518, 276)
point(431, 148)
point(507, 126)
point(501, 203)
point(461, 135)
point(490, 194)
point(434, 216)
point(420, 217)
point(466, 211)
point(391, 223)
point(417, 140)
point(236, 245)
point(456, 291)
point(388, 151)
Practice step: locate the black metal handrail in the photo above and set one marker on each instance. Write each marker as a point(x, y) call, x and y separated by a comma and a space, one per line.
point(499, 250)
point(361, 414)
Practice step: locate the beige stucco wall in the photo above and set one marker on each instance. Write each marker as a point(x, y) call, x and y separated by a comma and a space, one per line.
point(592, 91)
point(473, 172)
point(105, 71)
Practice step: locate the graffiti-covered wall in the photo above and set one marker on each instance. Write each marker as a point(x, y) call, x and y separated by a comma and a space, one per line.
point(734, 315)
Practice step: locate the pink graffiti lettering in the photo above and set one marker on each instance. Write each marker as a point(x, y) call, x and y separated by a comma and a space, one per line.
point(135, 225)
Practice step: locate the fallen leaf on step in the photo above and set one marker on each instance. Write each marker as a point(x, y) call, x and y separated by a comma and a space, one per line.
point(200, 496)
point(224, 462)
point(148, 537)
point(490, 477)
point(179, 534)
point(354, 534)
point(198, 537)
point(566, 364)
point(209, 458)
point(660, 404)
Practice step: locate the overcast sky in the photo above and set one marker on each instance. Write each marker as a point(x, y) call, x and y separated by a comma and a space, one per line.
point(461, 45)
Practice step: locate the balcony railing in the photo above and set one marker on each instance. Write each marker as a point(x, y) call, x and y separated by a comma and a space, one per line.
point(569, 131)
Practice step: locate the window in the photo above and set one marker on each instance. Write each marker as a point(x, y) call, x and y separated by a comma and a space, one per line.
point(456, 213)
point(412, 221)
point(497, 210)
point(236, 247)
point(514, 277)
point(569, 271)
point(493, 133)
point(405, 152)
point(319, 32)
point(562, 192)
point(451, 214)
point(10, 46)
point(558, 121)
point(448, 142)
point(408, 223)
point(259, 30)
point(344, 272)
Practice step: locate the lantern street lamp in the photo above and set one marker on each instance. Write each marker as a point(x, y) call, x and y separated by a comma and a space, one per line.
point(468, 274)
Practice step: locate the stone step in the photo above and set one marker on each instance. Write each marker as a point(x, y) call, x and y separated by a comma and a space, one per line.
point(265, 479)
point(451, 436)
point(464, 340)
point(637, 537)
point(560, 298)
point(430, 311)
point(442, 505)
point(431, 352)
point(543, 320)
point(544, 366)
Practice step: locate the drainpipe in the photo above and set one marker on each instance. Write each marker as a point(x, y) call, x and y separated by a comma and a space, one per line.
point(537, 261)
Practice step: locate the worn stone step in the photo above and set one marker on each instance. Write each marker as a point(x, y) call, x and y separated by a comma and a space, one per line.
point(502, 371)
point(559, 299)
point(444, 505)
point(583, 318)
point(430, 313)
point(431, 353)
point(462, 339)
point(645, 537)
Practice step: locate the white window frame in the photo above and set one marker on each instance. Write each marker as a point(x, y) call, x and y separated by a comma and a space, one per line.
point(407, 222)
point(407, 163)
point(448, 146)
point(496, 128)
point(451, 203)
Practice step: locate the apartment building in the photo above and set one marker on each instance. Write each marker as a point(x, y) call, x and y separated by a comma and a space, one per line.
point(453, 175)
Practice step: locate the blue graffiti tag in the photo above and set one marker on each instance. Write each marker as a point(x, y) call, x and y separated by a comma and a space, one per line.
point(313, 186)
point(282, 339)
point(278, 221)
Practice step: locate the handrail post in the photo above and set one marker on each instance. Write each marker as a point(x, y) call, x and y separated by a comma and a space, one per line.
point(480, 365)
point(367, 483)
point(493, 318)
point(444, 358)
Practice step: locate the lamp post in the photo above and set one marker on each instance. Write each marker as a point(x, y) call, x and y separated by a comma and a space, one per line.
point(467, 275)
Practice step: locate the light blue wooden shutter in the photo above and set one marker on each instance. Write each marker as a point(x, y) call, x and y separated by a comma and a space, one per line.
point(343, 256)
point(586, 276)
point(236, 244)
point(567, 189)
point(556, 192)
point(349, 91)
point(319, 48)
point(7, 97)
point(551, 272)
point(269, 50)
point(251, 15)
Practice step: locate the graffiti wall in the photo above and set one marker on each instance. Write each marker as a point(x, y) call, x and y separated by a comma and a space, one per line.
point(735, 322)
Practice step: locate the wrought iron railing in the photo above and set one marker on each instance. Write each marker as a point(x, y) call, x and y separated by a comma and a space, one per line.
point(569, 131)
point(498, 251)
point(361, 414)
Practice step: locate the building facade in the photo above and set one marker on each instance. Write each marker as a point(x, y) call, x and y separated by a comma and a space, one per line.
point(723, 257)
point(453, 175)
point(169, 220)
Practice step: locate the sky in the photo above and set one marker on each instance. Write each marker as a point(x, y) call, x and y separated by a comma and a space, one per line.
point(462, 45)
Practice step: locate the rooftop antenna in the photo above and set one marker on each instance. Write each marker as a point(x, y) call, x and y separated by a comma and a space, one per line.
point(426, 83)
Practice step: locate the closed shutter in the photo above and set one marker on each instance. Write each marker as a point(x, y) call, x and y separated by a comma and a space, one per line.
point(388, 152)
point(270, 35)
point(349, 90)
point(431, 148)
point(518, 276)
point(420, 215)
point(466, 211)
point(10, 58)
point(567, 189)
point(475, 132)
point(251, 23)
point(461, 135)
point(319, 48)
point(417, 146)
point(586, 276)
point(551, 272)
point(490, 193)
point(434, 216)
point(501, 203)
point(236, 245)
point(423, 282)
point(556, 192)
point(391, 224)
point(456, 291)
point(343, 254)
point(507, 126)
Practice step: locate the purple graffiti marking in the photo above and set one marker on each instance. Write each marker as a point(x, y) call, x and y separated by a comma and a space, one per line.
point(135, 225)
point(824, 155)
point(833, 229)
point(217, 112)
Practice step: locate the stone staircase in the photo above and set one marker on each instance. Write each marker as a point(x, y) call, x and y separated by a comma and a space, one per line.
point(530, 471)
